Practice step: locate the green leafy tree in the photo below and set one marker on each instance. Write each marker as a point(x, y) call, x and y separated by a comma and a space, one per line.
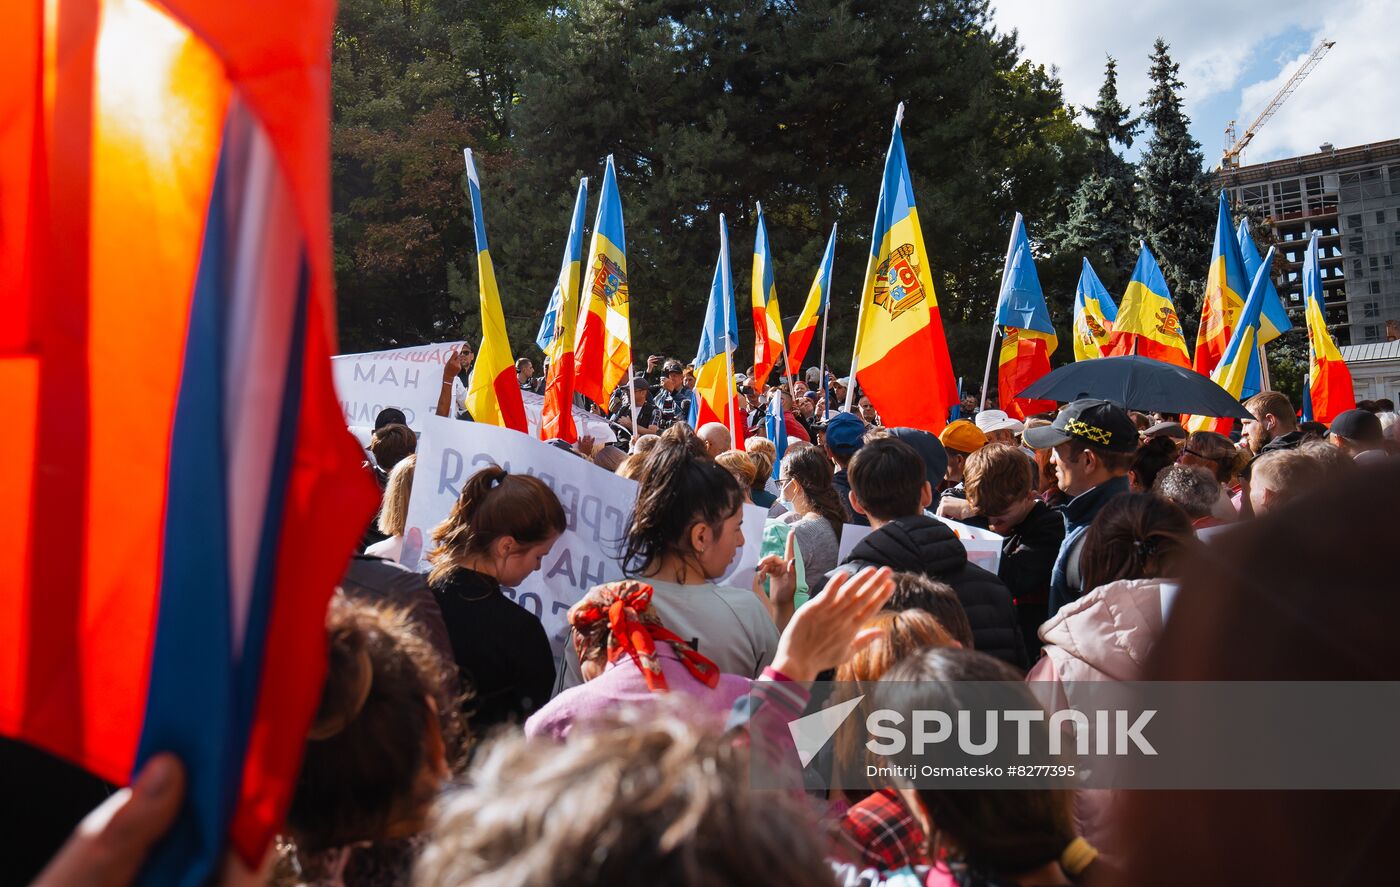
point(1175, 209)
point(1099, 225)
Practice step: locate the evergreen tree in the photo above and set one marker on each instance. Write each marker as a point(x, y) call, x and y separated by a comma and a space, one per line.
point(1100, 221)
point(1175, 209)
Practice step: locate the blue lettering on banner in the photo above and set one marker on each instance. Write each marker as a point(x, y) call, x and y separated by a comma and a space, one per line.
point(564, 566)
point(450, 475)
point(588, 580)
point(568, 497)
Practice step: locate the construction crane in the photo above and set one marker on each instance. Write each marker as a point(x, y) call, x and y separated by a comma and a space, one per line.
point(1233, 146)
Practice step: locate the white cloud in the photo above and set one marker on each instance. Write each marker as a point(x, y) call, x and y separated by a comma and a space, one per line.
point(1351, 98)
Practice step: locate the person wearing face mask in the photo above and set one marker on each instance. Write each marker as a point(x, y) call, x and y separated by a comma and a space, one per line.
point(816, 514)
point(497, 534)
point(684, 531)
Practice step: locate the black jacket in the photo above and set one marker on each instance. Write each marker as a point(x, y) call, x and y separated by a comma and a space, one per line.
point(502, 651)
point(1028, 555)
point(924, 545)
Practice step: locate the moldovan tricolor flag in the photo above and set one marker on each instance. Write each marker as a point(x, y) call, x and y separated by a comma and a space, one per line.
point(493, 392)
point(1273, 319)
point(714, 397)
point(1329, 390)
point(1028, 338)
point(805, 327)
point(556, 338)
point(1238, 371)
point(767, 319)
point(180, 494)
point(1146, 322)
point(603, 352)
point(901, 355)
point(1094, 314)
point(1226, 284)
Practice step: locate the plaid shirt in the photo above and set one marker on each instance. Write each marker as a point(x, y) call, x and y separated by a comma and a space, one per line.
point(885, 832)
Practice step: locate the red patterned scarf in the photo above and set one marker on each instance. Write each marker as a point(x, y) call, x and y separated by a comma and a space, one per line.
point(634, 630)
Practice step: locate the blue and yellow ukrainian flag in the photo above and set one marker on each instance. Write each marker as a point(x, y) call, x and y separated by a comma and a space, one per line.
point(1028, 337)
point(1094, 314)
point(715, 399)
point(1147, 324)
point(1274, 320)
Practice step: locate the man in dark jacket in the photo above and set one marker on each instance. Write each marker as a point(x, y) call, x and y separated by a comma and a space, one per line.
point(1000, 482)
point(889, 485)
point(1093, 442)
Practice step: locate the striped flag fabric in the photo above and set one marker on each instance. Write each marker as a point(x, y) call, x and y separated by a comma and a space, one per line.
point(556, 337)
point(1329, 390)
point(1094, 314)
point(899, 337)
point(767, 319)
point(1274, 320)
point(1028, 337)
point(715, 398)
point(1226, 285)
point(603, 349)
point(493, 392)
point(1238, 371)
point(775, 424)
point(167, 270)
point(1147, 323)
point(804, 329)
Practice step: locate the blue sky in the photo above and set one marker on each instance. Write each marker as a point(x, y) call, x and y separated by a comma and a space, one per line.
point(1234, 55)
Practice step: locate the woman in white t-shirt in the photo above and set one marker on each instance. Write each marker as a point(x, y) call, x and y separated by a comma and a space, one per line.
point(685, 530)
point(393, 513)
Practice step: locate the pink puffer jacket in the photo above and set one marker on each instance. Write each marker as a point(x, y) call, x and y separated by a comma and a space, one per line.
point(1104, 636)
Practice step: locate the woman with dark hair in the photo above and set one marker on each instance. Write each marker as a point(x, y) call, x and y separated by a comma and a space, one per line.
point(1154, 455)
point(685, 530)
point(817, 514)
point(498, 533)
point(986, 837)
point(1135, 545)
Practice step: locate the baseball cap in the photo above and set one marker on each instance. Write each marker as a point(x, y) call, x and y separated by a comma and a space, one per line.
point(844, 381)
point(1099, 423)
point(812, 396)
point(641, 383)
point(845, 433)
point(671, 366)
point(390, 416)
point(926, 444)
point(997, 420)
point(962, 436)
point(1361, 425)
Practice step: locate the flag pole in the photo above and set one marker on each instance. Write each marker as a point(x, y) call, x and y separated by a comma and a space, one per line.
point(992, 343)
point(1264, 368)
point(727, 283)
point(821, 361)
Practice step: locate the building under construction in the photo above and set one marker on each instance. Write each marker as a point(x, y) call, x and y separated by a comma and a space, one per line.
point(1351, 196)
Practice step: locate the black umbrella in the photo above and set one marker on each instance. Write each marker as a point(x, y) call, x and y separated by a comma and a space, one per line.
point(1138, 383)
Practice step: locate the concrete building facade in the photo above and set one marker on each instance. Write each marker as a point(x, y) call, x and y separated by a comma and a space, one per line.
point(1350, 195)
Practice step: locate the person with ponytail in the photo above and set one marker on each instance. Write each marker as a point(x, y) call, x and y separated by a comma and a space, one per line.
point(385, 737)
point(497, 534)
point(817, 515)
point(685, 530)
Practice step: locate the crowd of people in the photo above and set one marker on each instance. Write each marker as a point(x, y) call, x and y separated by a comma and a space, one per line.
point(451, 747)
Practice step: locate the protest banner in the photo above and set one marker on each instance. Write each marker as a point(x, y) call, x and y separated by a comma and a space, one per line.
point(983, 546)
point(411, 379)
point(597, 507)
